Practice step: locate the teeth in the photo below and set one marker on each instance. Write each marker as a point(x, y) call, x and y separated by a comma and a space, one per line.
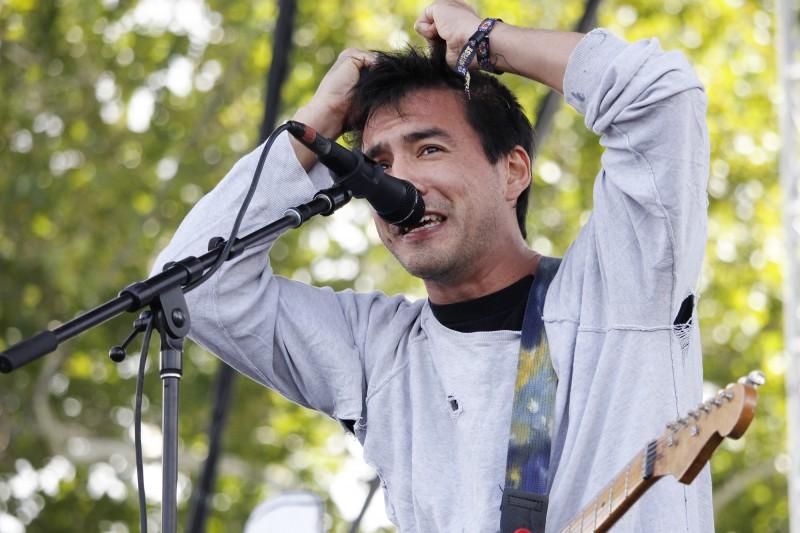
point(430, 218)
point(426, 222)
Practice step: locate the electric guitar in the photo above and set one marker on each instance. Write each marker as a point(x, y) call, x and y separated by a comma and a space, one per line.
point(681, 451)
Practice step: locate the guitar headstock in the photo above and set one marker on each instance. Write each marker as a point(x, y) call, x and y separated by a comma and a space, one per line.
point(688, 442)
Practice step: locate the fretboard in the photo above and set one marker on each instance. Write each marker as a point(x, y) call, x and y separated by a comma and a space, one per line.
point(617, 497)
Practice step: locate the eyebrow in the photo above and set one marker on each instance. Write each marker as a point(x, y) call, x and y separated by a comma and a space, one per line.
point(410, 138)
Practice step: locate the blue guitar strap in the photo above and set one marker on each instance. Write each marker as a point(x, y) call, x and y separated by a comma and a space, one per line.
point(524, 505)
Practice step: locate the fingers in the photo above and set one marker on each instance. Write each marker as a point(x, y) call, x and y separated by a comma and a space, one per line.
point(425, 24)
point(345, 71)
point(359, 58)
point(426, 30)
point(450, 20)
point(427, 15)
point(327, 109)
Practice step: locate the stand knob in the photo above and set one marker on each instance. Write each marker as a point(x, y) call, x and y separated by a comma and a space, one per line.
point(178, 317)
point(117, 354)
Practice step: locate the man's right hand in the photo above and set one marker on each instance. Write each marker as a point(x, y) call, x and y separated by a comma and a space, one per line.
point(327, 110)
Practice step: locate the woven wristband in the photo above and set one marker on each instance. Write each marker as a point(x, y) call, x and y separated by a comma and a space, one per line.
point(484, 60)
point(477, 44)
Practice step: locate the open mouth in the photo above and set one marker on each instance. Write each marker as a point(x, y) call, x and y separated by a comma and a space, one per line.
point(428, 221)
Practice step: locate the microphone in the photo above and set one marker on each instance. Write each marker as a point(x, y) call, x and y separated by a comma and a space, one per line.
point(396, 201)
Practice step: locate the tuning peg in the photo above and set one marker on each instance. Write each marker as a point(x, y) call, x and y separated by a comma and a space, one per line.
point(756, 378)
point(728, 394)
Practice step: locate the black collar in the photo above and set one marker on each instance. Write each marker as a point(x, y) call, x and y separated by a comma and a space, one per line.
point(501, 310)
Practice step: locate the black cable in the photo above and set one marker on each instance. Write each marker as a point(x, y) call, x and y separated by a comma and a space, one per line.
point(226, 376)
point(137, 426)
point(223, 256)
point(373, 488)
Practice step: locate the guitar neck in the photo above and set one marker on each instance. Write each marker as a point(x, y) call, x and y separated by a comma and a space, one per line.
point(618, 496)
point(681, 451)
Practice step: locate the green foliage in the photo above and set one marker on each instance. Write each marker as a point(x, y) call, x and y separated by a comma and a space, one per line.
point(118, 115)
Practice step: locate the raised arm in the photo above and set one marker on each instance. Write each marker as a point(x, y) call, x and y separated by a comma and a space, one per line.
point(303, 341)
point(540, 55)
point(649, 109)
point(327, 110)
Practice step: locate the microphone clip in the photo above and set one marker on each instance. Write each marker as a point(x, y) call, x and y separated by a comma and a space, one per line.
point(367, 174)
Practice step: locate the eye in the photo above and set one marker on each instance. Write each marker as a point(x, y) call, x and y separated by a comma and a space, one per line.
point(385, 165)
point(429, 149)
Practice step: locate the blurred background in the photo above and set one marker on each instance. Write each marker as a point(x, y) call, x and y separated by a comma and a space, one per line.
point(116, 116)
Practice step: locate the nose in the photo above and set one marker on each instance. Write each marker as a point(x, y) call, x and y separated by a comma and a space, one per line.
point(408, 172)
point(420, 184)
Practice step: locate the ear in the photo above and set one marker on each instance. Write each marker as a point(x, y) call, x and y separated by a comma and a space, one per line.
point(518, 173)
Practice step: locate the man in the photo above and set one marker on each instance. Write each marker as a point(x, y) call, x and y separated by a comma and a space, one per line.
point(428, 386)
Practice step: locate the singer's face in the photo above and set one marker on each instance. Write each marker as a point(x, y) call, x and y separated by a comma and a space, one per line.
point(470, 216)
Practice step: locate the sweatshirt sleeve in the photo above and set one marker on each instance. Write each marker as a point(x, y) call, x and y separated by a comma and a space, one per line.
point(649, 202)
point(625, 366)
point(305, 342)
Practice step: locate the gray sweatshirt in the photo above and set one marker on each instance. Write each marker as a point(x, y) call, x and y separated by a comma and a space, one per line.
point(623, 368)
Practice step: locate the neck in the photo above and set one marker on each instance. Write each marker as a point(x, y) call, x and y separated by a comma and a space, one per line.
point(480, 280)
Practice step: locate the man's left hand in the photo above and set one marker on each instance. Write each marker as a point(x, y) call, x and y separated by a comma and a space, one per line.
point(449, 20)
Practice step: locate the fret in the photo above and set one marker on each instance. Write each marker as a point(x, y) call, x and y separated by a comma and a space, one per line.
point(650, 458)
point(589, 519)
point(627, 475)
point(599, 511)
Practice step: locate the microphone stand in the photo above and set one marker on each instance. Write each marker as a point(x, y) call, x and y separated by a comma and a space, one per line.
point(164, 294)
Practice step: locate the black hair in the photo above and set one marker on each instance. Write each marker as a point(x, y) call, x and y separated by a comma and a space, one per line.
point(491, 108)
